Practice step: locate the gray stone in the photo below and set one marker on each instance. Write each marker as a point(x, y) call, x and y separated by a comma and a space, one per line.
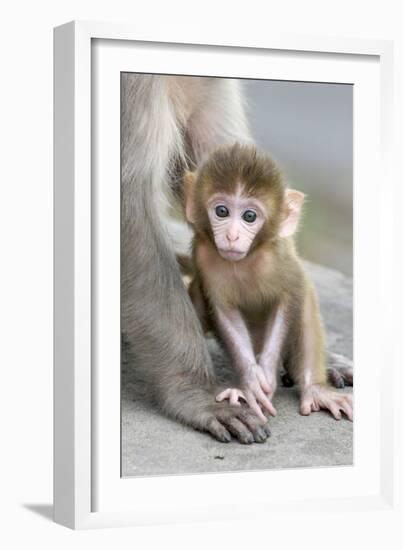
point(155, 445)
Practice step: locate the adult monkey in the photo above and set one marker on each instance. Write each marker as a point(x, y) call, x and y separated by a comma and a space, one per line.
point(170, 124)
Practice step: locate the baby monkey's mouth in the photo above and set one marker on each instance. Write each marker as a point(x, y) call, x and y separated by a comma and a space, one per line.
point(231, 254)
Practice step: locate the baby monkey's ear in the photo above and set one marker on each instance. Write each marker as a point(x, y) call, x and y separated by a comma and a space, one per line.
point(293, 202)
point(188, 185)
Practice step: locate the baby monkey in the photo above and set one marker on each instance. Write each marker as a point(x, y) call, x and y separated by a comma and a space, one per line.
point(249, 287)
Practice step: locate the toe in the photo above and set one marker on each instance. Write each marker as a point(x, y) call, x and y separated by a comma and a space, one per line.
point(305, 408)
point(240, 431)
point(218, 430)
point(260, 435)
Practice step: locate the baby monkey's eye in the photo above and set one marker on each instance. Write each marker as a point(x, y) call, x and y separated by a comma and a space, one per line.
point(249, 216)
point(222, 211)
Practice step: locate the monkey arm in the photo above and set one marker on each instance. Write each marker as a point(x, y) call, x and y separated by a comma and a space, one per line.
point(234, 332)
point(274, 337)
point(236, 338)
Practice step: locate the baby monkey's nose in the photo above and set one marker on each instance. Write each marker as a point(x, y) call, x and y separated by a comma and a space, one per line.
point(232, 236)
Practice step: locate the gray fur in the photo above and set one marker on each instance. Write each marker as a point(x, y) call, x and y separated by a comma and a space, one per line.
point(167, 350)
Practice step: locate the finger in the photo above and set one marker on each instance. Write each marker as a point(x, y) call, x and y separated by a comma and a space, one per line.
point(267, 429)
point(240, 431)
point(335, 410)
point(256, 426)
point(223, 395)
point(234, 398)
point(218, 430)
point(349, 398)
point(267, 404)
point(250, 399)
point(240, 421)
point(260, 434)
point(347, 408)
point(263, 382)
point(348, 411)
point(345, 402)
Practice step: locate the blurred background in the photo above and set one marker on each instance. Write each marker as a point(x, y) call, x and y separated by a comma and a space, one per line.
point(308, 129)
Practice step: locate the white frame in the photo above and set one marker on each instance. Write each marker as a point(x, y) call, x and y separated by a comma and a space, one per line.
point(76, 471)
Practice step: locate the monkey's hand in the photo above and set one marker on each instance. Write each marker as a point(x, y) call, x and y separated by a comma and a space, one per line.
point(316, 397)
point(254, 386)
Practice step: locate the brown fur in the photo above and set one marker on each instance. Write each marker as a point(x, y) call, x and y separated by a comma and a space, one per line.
point(270, 274)
point(223, 170)
point(255, 285)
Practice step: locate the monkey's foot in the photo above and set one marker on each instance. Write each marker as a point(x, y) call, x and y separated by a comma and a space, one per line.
point(318, 397)
point(239, 421)
point(340, 376)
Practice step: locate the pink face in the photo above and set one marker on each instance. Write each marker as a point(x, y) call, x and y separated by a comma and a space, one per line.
point(235, 221)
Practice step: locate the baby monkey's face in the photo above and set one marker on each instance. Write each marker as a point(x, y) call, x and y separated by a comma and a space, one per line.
point(235, 221)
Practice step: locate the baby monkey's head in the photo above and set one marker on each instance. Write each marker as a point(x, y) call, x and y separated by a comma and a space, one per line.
point(238, 199)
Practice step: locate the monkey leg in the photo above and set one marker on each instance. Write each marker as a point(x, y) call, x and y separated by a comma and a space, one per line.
point(308, 366)
point(338, 376)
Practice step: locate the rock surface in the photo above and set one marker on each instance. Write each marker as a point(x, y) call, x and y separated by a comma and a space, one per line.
point(155, 445)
